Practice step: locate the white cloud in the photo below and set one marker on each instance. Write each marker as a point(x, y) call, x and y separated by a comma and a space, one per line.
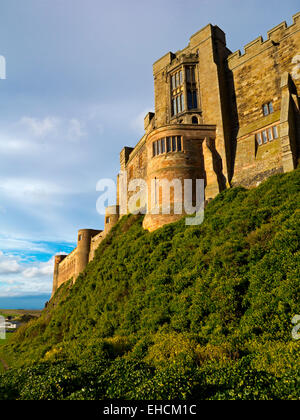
point(12, 146)
point(40, 127)
point(17, 278)
point(8, 264)
point(42, 269)
point(54, 127)
point(9, 244)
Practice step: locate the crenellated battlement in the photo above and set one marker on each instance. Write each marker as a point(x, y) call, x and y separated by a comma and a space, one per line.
point(258, 45)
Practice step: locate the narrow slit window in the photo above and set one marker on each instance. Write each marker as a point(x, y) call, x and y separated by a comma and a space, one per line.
point(259, 138)
point(178, 104)
point(265, 137)
point(271, 109)
point(173, 82)
point(275, 132)
point(177, 92)
point(195, 102)
point(270, 134)
point(158, 148)
point(182, 102)
point(173, 144)
point(163, 148)
point(179, 148)
point(168, 144)
point(266, 110)
point(174, 106)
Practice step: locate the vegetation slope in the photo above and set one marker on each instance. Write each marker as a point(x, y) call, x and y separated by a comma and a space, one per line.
point(184, 312)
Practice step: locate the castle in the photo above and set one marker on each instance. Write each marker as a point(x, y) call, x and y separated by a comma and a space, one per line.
point(228, 118)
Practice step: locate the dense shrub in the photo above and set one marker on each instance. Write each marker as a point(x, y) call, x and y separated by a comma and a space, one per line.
point(201, 311)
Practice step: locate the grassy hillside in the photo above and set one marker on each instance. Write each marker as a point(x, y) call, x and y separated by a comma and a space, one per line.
point(182, 312)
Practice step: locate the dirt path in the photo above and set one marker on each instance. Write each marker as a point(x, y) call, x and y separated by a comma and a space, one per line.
point(4, 364)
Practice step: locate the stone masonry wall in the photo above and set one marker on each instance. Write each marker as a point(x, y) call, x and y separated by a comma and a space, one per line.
point(257, 81)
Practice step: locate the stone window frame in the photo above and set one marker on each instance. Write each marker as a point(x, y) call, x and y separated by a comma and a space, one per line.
point(191, 87)
point(166, 145)
point(267, 135)
point(268, 108)
point(177, 87)
point(184, 87)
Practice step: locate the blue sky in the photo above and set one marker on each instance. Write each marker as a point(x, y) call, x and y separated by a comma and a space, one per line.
point(79, 82)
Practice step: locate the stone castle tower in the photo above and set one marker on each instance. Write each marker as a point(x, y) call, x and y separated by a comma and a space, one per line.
point(230, 119)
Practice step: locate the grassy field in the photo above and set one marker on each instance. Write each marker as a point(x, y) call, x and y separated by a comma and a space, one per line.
point(2, 342)
point(18, 312)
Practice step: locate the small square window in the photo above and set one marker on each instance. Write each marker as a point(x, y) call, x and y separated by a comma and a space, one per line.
point(107, 220)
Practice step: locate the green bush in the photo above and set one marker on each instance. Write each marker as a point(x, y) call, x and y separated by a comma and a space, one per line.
point(202, 311)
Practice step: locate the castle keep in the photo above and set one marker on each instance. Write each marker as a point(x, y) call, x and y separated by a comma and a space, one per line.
point(230, 119)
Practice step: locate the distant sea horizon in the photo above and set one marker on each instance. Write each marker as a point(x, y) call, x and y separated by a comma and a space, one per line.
point(36, 302)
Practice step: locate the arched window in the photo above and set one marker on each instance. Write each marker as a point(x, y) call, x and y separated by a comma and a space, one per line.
point(195, 120)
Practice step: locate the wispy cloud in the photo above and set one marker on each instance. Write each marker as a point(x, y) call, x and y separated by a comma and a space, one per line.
point(67, 129)
point(8, 265)
point(40, 127)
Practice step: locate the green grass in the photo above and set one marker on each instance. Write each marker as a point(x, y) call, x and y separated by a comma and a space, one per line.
point(8, 335)
point(2, 343)
point(201, 312)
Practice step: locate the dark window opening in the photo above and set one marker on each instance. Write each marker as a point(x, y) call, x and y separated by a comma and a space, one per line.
point(168, 144)
point(173, 144)
point(179, 148)
point(195, 120)
point(267, 135)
